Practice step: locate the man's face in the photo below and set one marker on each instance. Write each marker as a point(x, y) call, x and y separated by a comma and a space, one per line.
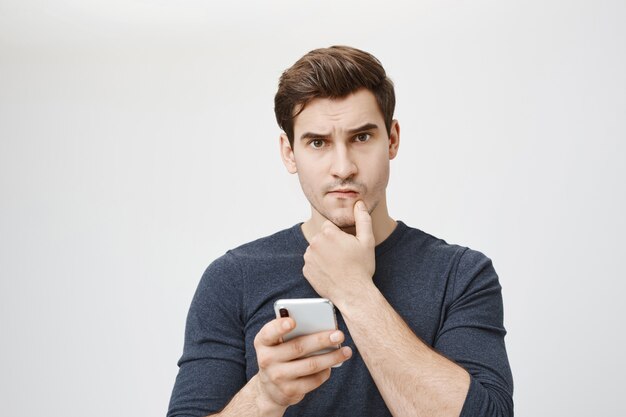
point(341, 153)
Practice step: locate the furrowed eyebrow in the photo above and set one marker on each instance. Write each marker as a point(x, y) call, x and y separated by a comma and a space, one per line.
point(366, 126)
point(311, 135)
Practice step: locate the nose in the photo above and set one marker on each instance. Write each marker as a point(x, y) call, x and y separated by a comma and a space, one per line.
point(343, 165)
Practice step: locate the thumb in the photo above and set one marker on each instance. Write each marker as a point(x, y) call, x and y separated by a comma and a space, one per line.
point(363, 223)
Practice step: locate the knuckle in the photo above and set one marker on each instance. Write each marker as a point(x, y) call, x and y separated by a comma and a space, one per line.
point(276, 376)
point(260, 335)
point(263, 360)
point(288, 390)
point(257, 341)
point(297, 348)
point(276, 326)
point(312, 364)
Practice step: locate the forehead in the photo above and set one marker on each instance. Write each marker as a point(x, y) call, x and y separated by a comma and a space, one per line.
point(322, 115)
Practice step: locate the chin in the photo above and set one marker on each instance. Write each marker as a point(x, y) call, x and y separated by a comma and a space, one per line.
point(343, 222)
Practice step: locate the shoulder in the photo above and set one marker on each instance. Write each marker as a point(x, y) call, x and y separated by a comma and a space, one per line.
point(263, 248)
point(464, 263)
point(280, 242)
point(475, 273)
point(432, 249)
point(471, 270)
point(228, 277)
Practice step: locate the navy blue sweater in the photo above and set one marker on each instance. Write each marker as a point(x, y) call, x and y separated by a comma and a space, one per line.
point(448, 295)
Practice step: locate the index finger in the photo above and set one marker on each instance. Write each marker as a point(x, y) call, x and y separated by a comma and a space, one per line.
point(271, 334)
point(363, 223)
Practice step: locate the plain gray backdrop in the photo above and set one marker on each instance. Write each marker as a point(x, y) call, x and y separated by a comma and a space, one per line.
point(138, 143)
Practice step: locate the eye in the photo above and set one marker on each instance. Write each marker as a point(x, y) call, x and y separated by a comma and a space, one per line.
point(362, 137)
point(317, 143)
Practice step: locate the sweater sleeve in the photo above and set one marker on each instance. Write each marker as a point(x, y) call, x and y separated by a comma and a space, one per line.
point(472, 334)
point(212, 367)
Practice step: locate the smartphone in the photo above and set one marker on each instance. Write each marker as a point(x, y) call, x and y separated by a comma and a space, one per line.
point(311, 315)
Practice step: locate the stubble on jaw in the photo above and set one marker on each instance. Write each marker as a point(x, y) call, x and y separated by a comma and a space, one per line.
point(346, 224)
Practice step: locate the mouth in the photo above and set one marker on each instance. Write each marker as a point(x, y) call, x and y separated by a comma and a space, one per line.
point(344, 193)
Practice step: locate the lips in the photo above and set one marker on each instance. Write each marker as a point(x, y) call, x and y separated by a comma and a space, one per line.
point(345, 193)
point(344, 190)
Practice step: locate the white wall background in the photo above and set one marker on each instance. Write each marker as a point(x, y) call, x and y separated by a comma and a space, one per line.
point(138, 143)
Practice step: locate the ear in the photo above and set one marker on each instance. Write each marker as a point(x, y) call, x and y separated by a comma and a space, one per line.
point(287, 155)
point(394, 139)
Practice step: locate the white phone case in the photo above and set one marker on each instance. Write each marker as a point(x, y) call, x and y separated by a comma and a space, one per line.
point(311, 315)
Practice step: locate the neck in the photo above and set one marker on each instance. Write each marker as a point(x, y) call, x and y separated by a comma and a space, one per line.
point(382, 224)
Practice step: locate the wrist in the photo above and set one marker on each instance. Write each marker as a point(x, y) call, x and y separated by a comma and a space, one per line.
point(266, 406)
point(360, 297)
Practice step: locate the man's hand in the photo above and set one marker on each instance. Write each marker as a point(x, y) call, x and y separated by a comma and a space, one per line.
point(336, 264)
point(284, 375)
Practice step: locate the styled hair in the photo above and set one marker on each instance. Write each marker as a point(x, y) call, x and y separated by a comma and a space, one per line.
point(333, 72)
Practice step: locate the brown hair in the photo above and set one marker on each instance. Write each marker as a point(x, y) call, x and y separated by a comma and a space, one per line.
point(331, 72)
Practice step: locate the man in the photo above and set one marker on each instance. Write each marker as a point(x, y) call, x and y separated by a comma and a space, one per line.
point(420, 320)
